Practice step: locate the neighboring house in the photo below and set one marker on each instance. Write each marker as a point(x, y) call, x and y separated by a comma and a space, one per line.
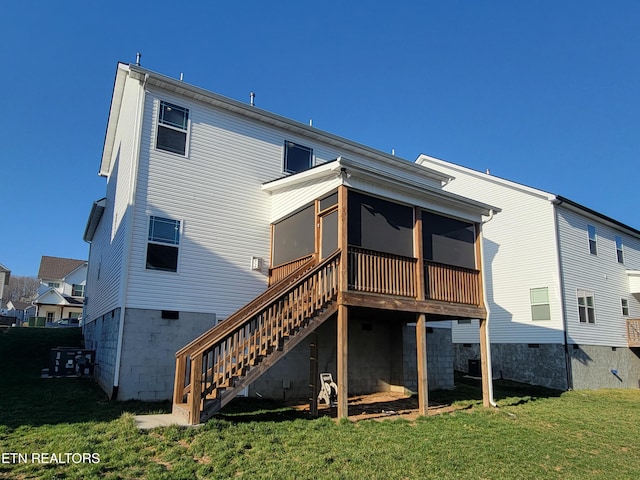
point(563, 288)
point(210, 200)
point(21, 310)
point(62, 285)
point(5, 275)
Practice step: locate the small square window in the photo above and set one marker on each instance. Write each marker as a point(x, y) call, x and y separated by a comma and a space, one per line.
point(593, 248)
point(297, 158)
point(540, 308)
point(619, 254)
point(173, 122)
point(625, 307)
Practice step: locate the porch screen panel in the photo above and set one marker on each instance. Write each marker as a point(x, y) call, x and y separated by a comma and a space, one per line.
point(329, 240)
point(380, 225)
point(449, 241)
point(294, 237)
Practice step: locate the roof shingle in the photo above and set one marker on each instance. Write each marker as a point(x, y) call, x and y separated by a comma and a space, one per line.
point(54, 268)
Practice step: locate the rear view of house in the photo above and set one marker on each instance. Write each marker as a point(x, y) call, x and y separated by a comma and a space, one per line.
point(238, 238)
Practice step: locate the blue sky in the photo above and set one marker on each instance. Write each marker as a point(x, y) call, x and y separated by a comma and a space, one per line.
point(544, 93)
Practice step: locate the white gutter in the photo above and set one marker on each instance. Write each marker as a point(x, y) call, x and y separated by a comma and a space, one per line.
point(492, 401)
point(133, 176)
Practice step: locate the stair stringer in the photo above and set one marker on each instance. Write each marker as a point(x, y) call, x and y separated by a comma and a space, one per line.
point(213, 406)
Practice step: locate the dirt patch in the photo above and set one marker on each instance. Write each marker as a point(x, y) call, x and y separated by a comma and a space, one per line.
point(379, 406)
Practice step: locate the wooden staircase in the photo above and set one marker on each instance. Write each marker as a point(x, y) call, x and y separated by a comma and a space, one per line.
point(215, 367)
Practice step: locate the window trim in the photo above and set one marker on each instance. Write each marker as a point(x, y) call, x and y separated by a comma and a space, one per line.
point(284, 157)
point(619, 249)
point(160, 123)
point(581, 293)
point(537, 304)
point(593, 241)
point(73, 289)
point(624, 303)
point(156, 241)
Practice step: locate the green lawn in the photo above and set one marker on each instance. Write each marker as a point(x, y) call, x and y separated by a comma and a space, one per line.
point(534, 434)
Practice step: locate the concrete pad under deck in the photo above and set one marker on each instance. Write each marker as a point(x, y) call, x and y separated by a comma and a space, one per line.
point(147, 422)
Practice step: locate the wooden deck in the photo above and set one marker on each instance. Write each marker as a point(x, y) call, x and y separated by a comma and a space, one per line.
point(633, 332)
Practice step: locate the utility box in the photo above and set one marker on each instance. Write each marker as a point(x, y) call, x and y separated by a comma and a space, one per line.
point(69, 361)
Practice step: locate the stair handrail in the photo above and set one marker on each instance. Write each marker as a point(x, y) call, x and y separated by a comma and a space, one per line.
point(231, 323)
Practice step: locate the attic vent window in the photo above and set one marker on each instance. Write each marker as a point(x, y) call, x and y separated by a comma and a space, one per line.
point(173, 126)
point(297, 158)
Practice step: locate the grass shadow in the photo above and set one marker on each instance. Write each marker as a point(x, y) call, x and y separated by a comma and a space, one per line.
point(29, 400)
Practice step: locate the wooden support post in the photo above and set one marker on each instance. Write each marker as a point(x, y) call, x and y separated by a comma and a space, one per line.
point(421, 323)
point(485, 363)
point(343, 241)
point(313, 375)
point(343, 316)
point(343, 355)
point(196, 389)
point(178, 385)
point(421, 344)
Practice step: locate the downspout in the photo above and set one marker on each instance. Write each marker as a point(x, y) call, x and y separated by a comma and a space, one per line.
point(492, 401)
point(133, 178)
point(563, 306)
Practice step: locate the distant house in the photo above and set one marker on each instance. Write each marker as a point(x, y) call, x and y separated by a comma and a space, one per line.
point(5, 274)
point(237, 238)
point(21, 311)
point(62, 285)
point(563, 287)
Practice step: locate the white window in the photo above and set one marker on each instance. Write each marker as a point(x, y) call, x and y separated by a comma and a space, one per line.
point(297, 157)
point(162, 248)
point(593, 248)
point(540, 308)
point(173, 126)
point(77, 290)
point(625, 306)
point(50, 317)
point(53, 284)
point(586, 307)
point(619, 253)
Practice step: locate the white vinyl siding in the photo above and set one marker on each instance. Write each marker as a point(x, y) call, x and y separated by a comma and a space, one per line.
point(106, 253)
point(519, 250)
point(600, 274)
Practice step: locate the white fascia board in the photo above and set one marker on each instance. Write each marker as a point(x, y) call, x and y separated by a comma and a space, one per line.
point(97, 209)
point(404, 180)
point(427, 161)
point(412, 185)
point(46, 293)
point(634, 281)
point(322, 171)
point(112, 123)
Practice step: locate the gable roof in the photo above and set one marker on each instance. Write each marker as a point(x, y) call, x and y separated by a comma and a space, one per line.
point(58, 268)
point(429, 161)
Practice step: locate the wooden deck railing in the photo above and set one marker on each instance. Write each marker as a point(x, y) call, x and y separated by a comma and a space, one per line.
point(633, 332)
point(449, 283)
point(279, 272)
point(231, 348)
point(383, 273)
